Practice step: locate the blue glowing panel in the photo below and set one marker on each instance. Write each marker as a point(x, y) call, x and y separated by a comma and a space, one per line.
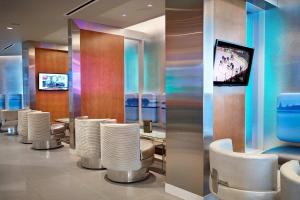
point(249, 88)
point(132, 107)
point(2, 102)
point(150, 107)
point(14, 101)
point(288, 117)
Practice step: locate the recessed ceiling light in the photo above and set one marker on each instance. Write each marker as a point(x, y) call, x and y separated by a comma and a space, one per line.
point(124, 15)
point(9, 28)
point(149, 5)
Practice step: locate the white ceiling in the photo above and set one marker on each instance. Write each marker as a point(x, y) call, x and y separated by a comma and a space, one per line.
point(44, 20)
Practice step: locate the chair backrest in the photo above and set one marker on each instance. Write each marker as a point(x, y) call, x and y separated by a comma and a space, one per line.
point(251, 172)
point(9, 115)
point(22, 114)
point(39, 126)
point(88, 134)
point(290, 180)
point(120, 146)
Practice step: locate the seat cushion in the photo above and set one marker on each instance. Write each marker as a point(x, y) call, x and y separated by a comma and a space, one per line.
point(57, 128)
point(10, 123)
point(147, 149)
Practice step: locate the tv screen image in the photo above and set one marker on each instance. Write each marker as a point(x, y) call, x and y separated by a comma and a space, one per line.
point(53, 81)
point(232, 64)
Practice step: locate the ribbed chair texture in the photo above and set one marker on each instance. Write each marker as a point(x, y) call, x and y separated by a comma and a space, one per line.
point(39, 126)
point(120, 145)
point(290, 180)
point(20, 119)
point(78, 130)
point(23, 124)
point(87, 135)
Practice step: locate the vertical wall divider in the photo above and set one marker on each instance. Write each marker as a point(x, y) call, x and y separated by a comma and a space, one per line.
point(141, 78)
point(186, 155)
point(75, 62)
point(28, 60)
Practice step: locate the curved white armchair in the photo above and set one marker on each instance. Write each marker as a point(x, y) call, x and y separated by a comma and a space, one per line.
point(39, 131)
point(240, 176)
point(9, 121)
point(290, 180)
point(88, 144)
point(126, 158)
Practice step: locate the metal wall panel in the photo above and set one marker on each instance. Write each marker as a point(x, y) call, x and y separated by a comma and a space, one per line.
point(74, 80)
point(184, 95)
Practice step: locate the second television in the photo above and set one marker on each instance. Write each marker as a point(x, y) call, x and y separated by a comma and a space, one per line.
point(232, 64)
point(53, 82)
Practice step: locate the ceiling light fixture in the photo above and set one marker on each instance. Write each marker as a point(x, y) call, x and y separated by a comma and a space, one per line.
point(80, 7)
point(9, 28)
point(124, 15)
point(8, 46)
point(149, 5)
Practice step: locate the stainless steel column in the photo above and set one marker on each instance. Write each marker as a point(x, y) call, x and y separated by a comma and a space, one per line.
point(74, 80)
point(184, 96)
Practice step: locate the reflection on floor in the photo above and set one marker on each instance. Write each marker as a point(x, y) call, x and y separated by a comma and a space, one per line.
point(26, 174)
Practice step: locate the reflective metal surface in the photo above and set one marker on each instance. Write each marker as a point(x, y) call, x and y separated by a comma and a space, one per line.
point(74, 80)
point(184, 95)
point(46, 145)
point(128, 176)
point(91, 163)
point(25, 140)
point(12, 130)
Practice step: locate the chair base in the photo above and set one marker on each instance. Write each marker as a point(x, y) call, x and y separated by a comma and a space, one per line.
point(91, 163)
point(128, 176)
point(11, 130)
point(46, 145)
point(25, 140)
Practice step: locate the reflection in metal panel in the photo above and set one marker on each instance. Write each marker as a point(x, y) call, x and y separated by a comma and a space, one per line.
point(184, 90)
point(74, 80)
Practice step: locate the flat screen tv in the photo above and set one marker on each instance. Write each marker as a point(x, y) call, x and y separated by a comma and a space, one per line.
point(232, 64)
point(53, 82)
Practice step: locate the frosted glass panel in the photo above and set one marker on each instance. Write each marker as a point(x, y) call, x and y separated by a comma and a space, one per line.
point(131, 66)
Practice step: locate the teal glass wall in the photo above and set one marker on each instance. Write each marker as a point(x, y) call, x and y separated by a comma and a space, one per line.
point(131, 60)
point(255, 89)
point(275, 69)
point(153, 63)
point(282, 71)
point(249, 89)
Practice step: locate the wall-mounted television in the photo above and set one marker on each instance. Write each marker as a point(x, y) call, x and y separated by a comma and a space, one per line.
point(232, 64)
point(53, 82)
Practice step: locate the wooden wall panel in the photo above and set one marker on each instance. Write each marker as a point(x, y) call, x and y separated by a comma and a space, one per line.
point(102, 75)
point(229, 102)
point(55, 102)
point(229, 119)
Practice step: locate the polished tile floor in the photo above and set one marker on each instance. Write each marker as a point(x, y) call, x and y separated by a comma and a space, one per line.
point(26, 174)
